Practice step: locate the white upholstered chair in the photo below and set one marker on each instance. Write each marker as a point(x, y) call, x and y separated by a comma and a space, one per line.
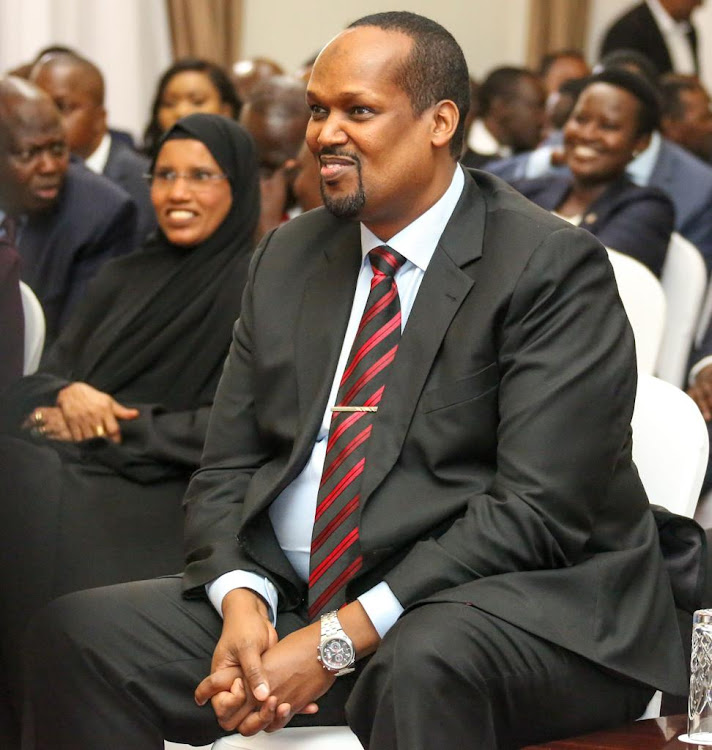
point(644, 302)
point(670, 445)
point(34, 329)
point(684, 281)
point(294, 738)
point(670, 449)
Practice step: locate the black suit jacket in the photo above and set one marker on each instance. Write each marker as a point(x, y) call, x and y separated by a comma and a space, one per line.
point(63, 248)
point(637, 221)
point(499, 470)
point(638, 30)
point(127, 168)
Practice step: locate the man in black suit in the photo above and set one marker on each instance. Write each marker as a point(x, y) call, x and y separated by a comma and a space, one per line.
point(662, 30)
point(484, 526)
point(69, 220)
point(76, 86)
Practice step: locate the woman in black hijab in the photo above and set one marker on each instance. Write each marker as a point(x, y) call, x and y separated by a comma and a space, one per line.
point(110, 429)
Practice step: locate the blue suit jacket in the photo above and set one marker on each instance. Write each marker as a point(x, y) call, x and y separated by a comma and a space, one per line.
point(686, 179)
point(126, 168)
point(634, 220)
point(62, 248)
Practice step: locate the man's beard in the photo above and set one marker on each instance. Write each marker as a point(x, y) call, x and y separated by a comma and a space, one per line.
point(350, 206)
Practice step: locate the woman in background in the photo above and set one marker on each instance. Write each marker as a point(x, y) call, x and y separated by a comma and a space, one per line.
point(190, 85)
point(611, 123)
point(106, 435)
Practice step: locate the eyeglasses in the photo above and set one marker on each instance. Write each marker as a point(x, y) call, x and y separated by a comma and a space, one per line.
point(196, 179)
point(30, 155)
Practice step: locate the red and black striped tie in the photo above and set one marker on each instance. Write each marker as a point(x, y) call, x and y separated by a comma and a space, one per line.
point(335, 552)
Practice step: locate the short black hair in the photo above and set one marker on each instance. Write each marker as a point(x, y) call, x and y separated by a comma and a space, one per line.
point(638, 86)
point(501, 82)
point(434, 70)
point(215, 73)
point(550, 58)
point(629, 58)
point(672, 86)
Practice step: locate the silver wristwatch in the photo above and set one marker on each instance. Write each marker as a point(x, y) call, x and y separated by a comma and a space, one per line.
point(336, 650)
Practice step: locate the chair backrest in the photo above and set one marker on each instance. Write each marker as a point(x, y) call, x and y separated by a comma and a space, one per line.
point(684, 280)
point(34, 329)
point(644, 302)
point(670, 445)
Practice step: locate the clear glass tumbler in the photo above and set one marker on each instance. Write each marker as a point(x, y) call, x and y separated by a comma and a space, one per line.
point(699, 712)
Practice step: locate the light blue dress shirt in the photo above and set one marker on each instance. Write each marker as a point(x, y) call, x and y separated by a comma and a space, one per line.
point(292, 512)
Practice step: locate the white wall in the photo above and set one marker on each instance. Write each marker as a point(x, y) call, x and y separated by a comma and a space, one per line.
point(128, 40)
point(604, 11)
point(490, 33)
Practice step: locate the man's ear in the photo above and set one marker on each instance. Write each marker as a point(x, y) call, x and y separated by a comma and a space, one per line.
point(446, 117)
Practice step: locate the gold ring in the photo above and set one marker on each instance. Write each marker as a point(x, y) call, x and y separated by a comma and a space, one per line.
point(99, 430)
point(37, 416)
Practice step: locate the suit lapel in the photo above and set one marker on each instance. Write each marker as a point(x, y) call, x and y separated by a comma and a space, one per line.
point(443, 289)
point(324, 315)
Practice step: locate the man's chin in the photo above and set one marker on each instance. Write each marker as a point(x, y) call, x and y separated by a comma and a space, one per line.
point(346, 207)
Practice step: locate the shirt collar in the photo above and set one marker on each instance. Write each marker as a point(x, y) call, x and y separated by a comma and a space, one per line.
point(417, 241)
point(97, 160)
point(481, 140)
point(641, 168)
point(666, 23)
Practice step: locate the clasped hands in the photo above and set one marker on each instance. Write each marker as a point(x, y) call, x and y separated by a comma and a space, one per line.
point(81, 412)
point(257, 682)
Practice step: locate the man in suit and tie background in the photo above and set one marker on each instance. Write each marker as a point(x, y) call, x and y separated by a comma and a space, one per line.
point(662, 30)
point(68, 221)
point(417, 510)
point(76, 86)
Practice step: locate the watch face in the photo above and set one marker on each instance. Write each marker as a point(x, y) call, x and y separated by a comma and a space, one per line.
point(336, 653)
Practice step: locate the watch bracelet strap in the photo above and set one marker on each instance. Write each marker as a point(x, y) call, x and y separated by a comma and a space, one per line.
point(330, 624)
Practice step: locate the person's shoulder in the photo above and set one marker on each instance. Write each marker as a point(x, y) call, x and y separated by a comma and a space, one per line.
point(686, 164)
point(121, 154)
point(639, 13)
point(513, 220)
point(681, 171)
point(500, 196)
point(90, 189)
point(317, 224)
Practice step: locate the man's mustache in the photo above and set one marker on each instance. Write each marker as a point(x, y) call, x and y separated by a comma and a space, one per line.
point(337, 151)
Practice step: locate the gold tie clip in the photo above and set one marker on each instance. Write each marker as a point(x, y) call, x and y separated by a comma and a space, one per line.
point(354, 408)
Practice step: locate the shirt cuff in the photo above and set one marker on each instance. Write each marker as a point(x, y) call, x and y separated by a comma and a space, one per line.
point(218, 589)
point(698, 367)
point(381, 606)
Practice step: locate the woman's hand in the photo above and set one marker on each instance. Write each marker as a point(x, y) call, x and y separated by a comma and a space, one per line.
point(48, 422)
point(89, 413)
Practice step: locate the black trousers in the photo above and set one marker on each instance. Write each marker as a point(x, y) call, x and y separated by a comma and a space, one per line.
point(117, 666)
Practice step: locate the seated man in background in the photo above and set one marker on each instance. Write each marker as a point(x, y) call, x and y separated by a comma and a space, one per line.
point(275, 114)
point(69, 220)
point(511, 116)
point(250, 72)
point(76, 86)
point(687, 114)
point(418, 468)
point(561, 66)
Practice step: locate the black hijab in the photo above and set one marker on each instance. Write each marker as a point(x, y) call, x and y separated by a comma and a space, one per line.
point(155, 325)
